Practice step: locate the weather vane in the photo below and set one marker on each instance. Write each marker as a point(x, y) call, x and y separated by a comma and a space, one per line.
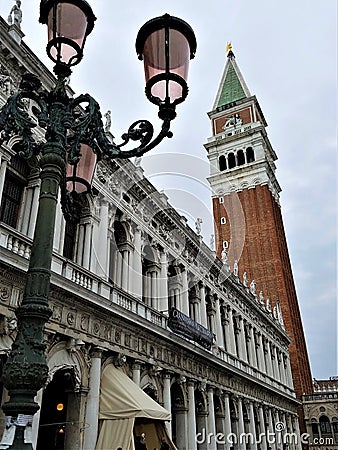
point(229, 47)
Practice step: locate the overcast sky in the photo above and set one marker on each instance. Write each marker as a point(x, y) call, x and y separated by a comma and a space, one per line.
point(287, 53)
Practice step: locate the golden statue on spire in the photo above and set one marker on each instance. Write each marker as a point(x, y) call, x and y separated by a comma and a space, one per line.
point(229, 47)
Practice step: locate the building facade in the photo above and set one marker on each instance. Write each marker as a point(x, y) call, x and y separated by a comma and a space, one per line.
point(247, 213)
point(321, 414)
point(116, 275)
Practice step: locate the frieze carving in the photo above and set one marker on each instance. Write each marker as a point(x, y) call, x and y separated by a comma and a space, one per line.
point(71, 316)
point(84, 322)
point(5, 293)
point(57, 313)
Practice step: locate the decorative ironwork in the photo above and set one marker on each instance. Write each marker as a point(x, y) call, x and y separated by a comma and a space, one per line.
point(188, 328)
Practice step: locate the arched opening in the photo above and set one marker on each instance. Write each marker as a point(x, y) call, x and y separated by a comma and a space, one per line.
point(222, 163)
point(58, 410)
point(250, 155)
point(231, 160)
point(325, 426)
point(240, 158)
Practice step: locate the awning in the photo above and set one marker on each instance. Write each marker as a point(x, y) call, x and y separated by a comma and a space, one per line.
point(121, 398)
point(121, 401)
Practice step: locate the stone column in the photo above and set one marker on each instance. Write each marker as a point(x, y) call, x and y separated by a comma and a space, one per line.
point(154, 290)
point(102, 241)
point(271, 432)
point(137, 264)
point(167, 397)
point(240, 338)
point(163, 284)
point(263, 443)
point(253, 348)
point(283, 368)
point(292, 443)
point(191, 416)
point(125, 269)
point(211, 420)
point(87, 245)
point(248, 342)
point(252, 427)
point(80, 244)
point(297, 431)
point(260, 353)
point(137, 372)
point(241, 429)
point(204, 321)
point(219, 331)
point(3, 167)
point(231, 345)
point(185, 292)
point(227, 427)
point(23, 221)
point(279, 444)
point(34, 209)
point(93, 399)
point(274, 361)
point(268, 361)
point(118, 267)
point(59, 232)
point(289, 379)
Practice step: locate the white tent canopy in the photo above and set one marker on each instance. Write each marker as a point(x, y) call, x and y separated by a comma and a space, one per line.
point(121, 401)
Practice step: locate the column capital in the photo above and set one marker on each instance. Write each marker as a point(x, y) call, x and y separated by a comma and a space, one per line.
point(167, 374)
point(191, 382)
point(97, 352)
point(137, 364)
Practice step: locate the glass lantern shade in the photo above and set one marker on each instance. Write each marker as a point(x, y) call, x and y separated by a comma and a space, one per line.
point(69, 23)
point(79, 176)
point(166, 45)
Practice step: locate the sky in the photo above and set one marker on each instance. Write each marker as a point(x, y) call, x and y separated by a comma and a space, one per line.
point(287, 53)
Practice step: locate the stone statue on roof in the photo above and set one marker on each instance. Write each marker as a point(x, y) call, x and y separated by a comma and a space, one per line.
point(15, 15)
point(198, 223)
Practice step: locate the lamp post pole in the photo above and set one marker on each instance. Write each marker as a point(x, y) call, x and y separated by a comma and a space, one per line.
point(26, 371)
point(73, 128)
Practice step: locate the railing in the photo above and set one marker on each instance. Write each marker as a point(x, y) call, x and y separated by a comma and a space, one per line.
point(16, 243)
point(320, 396)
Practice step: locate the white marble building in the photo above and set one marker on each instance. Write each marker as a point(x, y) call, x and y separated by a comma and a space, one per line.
point(115, 276)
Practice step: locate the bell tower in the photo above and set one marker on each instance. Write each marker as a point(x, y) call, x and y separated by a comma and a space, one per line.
point(246, 206)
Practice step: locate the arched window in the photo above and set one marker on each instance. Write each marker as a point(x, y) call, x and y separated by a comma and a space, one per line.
point(324, 424)
point(240, 158)
point(231, 160)
point(14, 187)
point(315, 430)
point(222, 163)
point(250, 155)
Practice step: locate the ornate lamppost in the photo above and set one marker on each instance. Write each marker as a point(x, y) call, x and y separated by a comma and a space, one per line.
point(74, 140)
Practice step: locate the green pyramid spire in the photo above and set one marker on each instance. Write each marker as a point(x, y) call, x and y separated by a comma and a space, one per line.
point(232, 87)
